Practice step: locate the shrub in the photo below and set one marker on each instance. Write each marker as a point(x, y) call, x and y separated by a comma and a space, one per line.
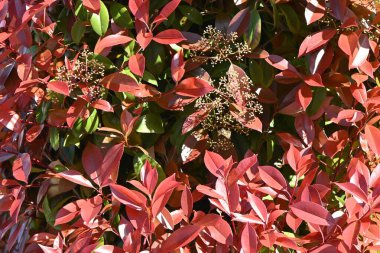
point(189, 126)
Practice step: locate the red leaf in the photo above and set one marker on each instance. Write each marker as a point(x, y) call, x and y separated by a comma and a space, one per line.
point(321, 60)
point(180, 237)
point(350, 234)
point(195, 119)
point(170, 36)
point(338, 8)
point(89, 208)
point(137, 64)
point(258, 206)
point(67, 213)
point(314, 11)
point(103, 105)
point(305, 128)
point(33, 132)
point(187, 202)
point(92, 5)
point(111, 163)
point(122, 83)
point(239, 22)
point(193, 87)
point(127, 122)
point(249, 239)
point(109, 41)
point(144, 39)
point(293, 156)
point(163, 193)
point(76, 110)
point(359, 92)
point(236, 173)
point(149, 176)
point(214, 163)
point(272, 177)
point(108, 249)
point(350, 116)
point(372, 135)
point(22, 167)
point(221, 232)
point(347, 43)
point(128, 197)
point(325, 248)
point(177, 66)
point(10, 119)
point(165, 12)
point(312, 213)
point(280, 63)
point(360, 53)
point(92, 159)
point(314, 80)
point(353, 190)
point(304, 96)
point(75, 177)
point(59, 87)
point(315, 41)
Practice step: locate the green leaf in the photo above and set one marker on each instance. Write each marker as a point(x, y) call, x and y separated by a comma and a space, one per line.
point(108, 64)
point(77, 31)
point(78, 127)
point(149, 77)
point(71, 140)
point(256, 72)
point(155, 56)
point(81, 12)
point(291, 18)
point(92, 122)
point(121, 16)
point(275, 13)
point(254, 30)
point(54, 138)
point(191, 14)
point(99, 22)
point(319, 96)
point(150, 123)
point(49, 215)
point(139, 161)
point(42, 112)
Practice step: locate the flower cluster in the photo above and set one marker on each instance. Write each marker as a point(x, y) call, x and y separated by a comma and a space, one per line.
point(231, 90)
point(86, 72)
point(218, 47)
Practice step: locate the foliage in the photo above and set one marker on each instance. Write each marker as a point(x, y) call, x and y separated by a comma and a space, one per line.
point(189, 126)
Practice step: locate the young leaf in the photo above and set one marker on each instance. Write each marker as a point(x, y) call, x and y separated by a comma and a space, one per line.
point(92, 5)
point(272, 177)
point(372, 135)
point(137, 64)
point(249, 239)
point(180, 237)
point(128, 197)
point(312, 213)
point(109, 41)
point(193, 87)
point(59, 87)
point(75, 177)
point(22, 167)
point(170, 36)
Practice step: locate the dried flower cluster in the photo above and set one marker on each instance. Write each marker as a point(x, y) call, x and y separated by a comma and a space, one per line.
point(218, 47)
point(86, 72)
point(231, 90)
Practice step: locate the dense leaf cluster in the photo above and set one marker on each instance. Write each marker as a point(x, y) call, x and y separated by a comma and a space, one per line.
point(189, 126)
